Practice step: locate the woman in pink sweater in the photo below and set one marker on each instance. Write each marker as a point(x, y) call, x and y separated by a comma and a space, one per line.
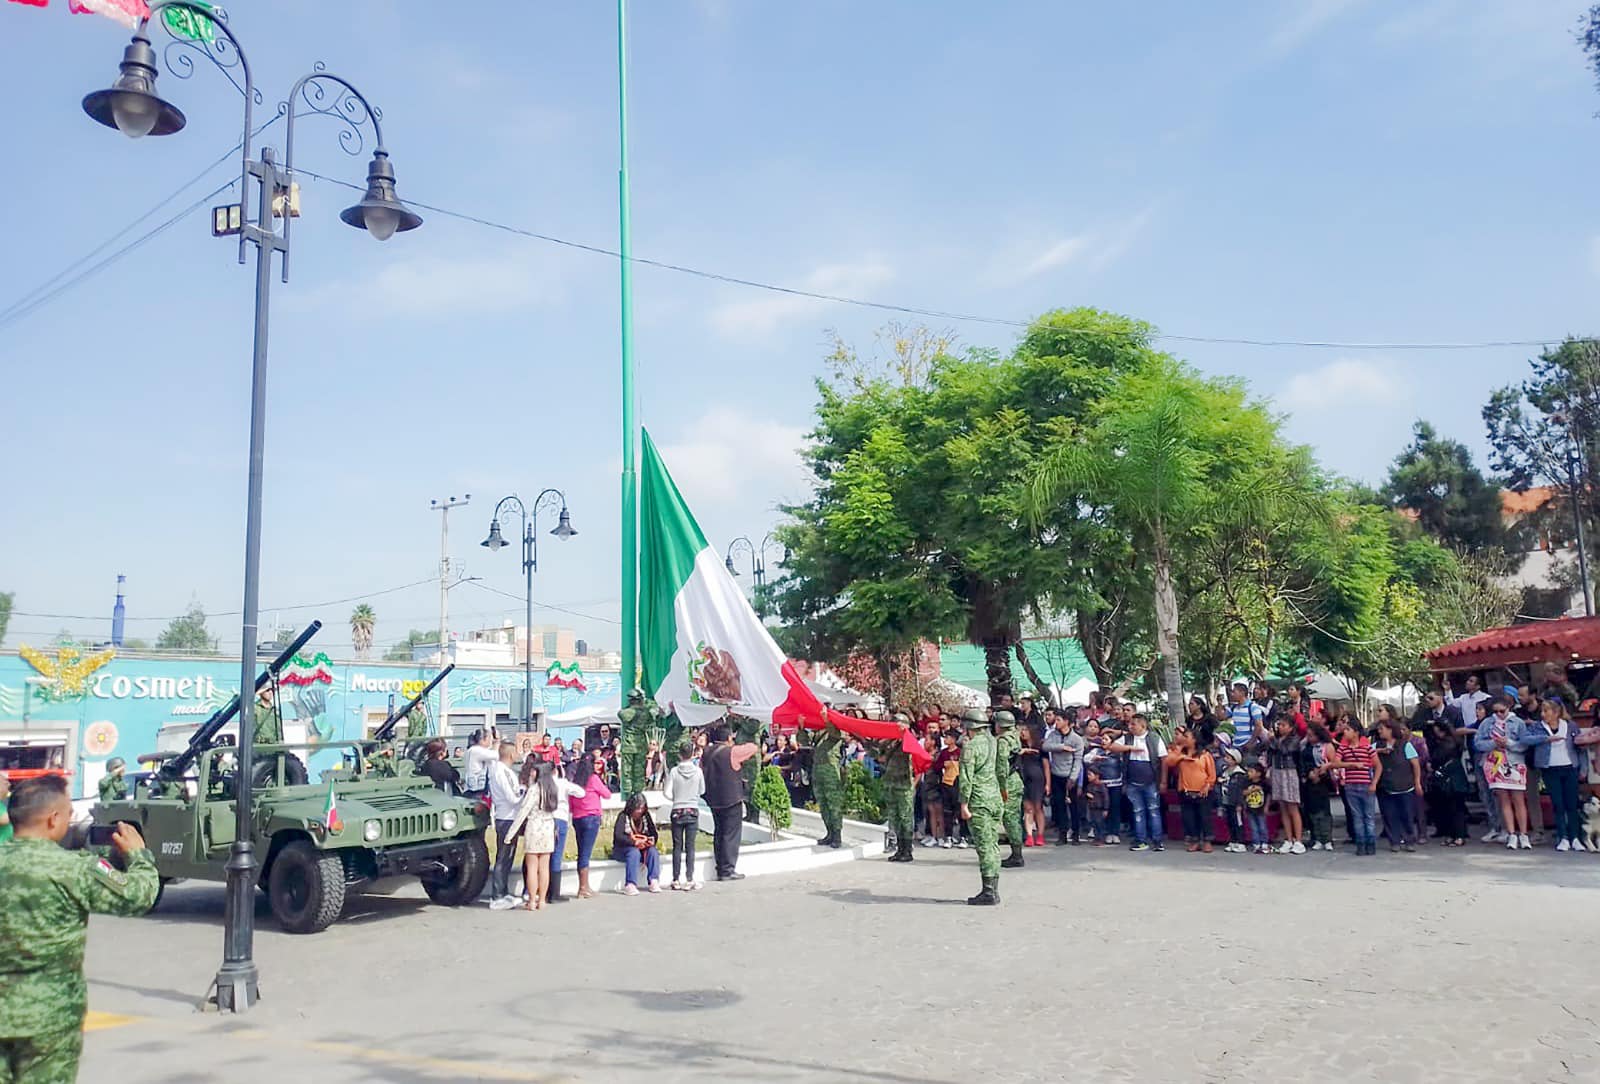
point(588, 772)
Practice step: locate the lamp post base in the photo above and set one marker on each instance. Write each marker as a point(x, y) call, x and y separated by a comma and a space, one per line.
point(234, 989)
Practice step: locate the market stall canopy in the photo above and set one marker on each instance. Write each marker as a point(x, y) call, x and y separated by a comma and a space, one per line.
point(585, 716)
point(1569, 639)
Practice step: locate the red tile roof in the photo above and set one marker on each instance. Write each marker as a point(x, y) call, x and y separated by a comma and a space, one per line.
point(1564, 640)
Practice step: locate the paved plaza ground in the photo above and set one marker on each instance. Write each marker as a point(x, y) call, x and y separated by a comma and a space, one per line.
point(1100, 965)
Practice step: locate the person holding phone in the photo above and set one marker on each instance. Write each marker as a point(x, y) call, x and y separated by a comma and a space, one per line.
point(47, 894)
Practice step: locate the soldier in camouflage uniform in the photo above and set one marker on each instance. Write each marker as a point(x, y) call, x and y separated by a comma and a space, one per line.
point(899, 791)
point(114, 785)
point(637, 720)
point(827, 782)
point(269, 720)
point(753, 732)
point(979, 787)
point(46, 896)
point(417, 723)
point(1007, 746)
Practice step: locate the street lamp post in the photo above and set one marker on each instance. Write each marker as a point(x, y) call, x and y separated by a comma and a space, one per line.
point(131, 106)
point(530, 564)
point(1573, 458)
point(758, 560)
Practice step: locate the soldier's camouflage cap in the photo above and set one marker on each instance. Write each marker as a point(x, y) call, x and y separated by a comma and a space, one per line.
point(974, 717)
point(114, 763)
point(1004, 720)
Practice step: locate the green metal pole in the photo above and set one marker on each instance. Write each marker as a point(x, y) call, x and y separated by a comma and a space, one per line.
point(630, 433)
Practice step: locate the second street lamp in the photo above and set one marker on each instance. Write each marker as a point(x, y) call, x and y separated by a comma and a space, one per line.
point(132, 106)
point(530, 564)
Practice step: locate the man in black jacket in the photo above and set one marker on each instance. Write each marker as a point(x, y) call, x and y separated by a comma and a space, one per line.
point(725, 795)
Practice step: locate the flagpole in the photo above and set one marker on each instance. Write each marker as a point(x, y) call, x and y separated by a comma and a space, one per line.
point(630, 432)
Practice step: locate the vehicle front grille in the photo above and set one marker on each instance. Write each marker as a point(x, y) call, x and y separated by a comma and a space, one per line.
point(393, 803)
point(415, 824)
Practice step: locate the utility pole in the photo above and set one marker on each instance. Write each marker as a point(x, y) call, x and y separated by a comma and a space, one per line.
point(630, 424)
point(443, 508)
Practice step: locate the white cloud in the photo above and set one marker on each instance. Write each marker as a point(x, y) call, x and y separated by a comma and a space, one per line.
point(726, 457)
point(429, 286)
point(1309, 18)
point(1094, 249)
point(763, 314)
point(1356, 413)
point(1345, 384)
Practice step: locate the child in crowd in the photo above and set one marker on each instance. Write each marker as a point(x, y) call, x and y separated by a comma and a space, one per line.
point(684, 787)
point(1255, 809)
point(1232, 786)
point(948, 765)
point(1099, 805)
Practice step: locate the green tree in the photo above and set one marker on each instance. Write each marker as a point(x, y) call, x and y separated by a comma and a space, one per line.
point(771, 797)
point(1170, 452)
point(187, 634)
point(403, 650)
point(917, 528)
point(362, 622)
point(1435, 479)
point(6, 600)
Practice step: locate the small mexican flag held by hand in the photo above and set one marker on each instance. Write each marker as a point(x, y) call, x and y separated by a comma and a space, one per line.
point(704, 651)
point(330, 811)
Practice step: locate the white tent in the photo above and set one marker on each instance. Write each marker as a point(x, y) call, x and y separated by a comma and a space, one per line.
point(584, 716)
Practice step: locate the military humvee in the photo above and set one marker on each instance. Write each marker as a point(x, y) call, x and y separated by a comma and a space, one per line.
point(315, 842)
point(381, 829)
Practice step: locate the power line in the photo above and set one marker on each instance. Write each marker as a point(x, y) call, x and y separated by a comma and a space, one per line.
point(235, 613)
point(6, 313)
point(913, 310)
point(537, 605)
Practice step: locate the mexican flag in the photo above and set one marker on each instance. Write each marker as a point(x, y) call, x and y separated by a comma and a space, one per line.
point(704, 651)
point(330, 811)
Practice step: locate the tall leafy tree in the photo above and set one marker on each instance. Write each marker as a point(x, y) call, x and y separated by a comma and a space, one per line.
point(187, 633)
point(1173, 454)
point(1436, 480)
point(918, 527)
point(402, 650)
point(6, 600)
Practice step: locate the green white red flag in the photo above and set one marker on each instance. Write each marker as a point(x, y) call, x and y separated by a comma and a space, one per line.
point(704, 651)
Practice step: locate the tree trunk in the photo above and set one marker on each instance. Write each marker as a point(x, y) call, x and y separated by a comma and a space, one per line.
point(1095, 647)
point(997, 667)
point(886, 675)
point(1039, 684)
point(1167, 627)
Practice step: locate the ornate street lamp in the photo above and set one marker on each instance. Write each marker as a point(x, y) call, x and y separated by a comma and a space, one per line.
point(132, 106)
point(530, 564)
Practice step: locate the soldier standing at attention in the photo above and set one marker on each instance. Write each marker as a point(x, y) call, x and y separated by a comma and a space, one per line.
point(979, 786)
point(113, 786)
point(46, 896)
point(1007, 748)
point(827, 783)
point(899, 790)
point(269, 723)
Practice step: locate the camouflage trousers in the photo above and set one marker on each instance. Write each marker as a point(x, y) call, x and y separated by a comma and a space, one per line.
point(51, 1058)
point(900, 808)
point(827, 784)
point(1011, 811)
point(985, 828)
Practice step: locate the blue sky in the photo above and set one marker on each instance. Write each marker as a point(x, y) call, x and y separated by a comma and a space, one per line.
point(1328, 169)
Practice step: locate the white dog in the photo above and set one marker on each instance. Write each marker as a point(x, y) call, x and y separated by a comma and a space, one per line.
point(1591, 822)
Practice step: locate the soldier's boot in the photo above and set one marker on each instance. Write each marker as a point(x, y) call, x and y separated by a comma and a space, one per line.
point(901, 852)
point(833, 840)
point(1015, 861)
point(905, 850)
point(989, 896)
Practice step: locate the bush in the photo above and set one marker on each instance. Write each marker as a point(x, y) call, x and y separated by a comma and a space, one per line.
point(863, 794)
point(771, 797)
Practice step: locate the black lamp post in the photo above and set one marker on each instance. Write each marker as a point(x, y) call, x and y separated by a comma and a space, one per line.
point(530, 564)
point(758, 560)
point(132, 106)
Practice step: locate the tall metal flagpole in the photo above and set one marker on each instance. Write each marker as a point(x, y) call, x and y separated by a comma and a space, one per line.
point(630, 434)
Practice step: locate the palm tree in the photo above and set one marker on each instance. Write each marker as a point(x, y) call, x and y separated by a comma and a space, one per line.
point(362, 622)
point(1168, 451)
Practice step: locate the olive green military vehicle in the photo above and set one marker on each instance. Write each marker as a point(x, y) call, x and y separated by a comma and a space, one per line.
point(315, 843)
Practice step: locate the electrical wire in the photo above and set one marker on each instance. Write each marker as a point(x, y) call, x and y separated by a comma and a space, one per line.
point(935, 314)
point(544, 605)
point(236, 613)
point(26, 298)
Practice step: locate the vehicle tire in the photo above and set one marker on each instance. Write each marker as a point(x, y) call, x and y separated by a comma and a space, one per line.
point(306, 888)
point(264, 772)
point(465, 884)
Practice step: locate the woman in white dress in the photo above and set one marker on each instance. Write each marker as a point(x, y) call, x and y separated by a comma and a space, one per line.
point(536, 817)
